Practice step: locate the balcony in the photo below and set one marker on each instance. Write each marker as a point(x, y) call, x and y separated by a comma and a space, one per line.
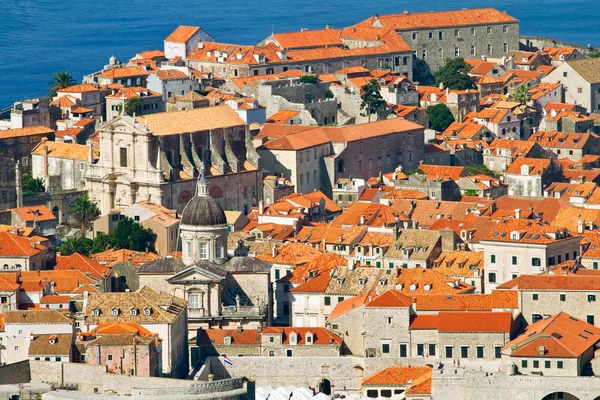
point(196, 313)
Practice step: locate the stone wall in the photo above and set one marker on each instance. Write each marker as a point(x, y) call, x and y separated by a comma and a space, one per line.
point(15, 373)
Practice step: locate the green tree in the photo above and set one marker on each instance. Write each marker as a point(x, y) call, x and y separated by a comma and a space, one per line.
point(85, 210)
point(131, 105)
point(521, 94)
point(422, 73)
point(440, 117)
point(454, 75)
point(81, 245)
point(101, 243)
point(308, 79)
point(595, 54)
point(414, 171)
point(329, 95)
point(60, 80)
point(32, 185)
point(471, 192)
point(131, 235)
point(482, 169)
point(372, 101)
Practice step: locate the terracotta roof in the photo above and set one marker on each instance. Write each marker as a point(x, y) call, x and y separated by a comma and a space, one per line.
point(119, 328)
point(55, 299)
point(443, 172)
point(460, 263)
point(528, 231)
point(291, 254)
point(560, 139)
point(405, 194)
point(321, 336)
point(376, 215)
point(124, 72)
point(200, 119)
point(81, 263)
point(133, 91)
point(182, 34)
point(64, 281)
point(398, 376)
point(553, 283)
point(308, 38)
point(36, 317)
point(112, 257)
point(62, 150)
point(350, 304)
point(321, 264)
point(465, 130)
point(8, 284)
point(424, 321)
point(81, 88)
point(535, 166)
point(498, 299)
point(391, 298)
point(561, 336)
point(282, 116)
point(170, 74)
point(39, 213)
point(17, 246)
point(61, 346)
point(29, 131)
point(475, 321)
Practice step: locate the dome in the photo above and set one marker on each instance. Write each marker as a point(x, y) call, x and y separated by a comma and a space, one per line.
point(203, 210)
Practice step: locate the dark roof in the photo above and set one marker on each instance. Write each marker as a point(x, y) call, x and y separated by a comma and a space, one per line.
point(246, 264)
point(163, 265)
point(203, 211)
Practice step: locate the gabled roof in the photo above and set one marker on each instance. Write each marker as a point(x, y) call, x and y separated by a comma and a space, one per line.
point(61, 346)
point(81, 263)
point(475, 321)
point(587, 68)
point(551, 282)
point(308, 38)
point(398, 376)
point(182, 34)
point(535, 166)
point(443, 171)
point(561, 335)
point(17, 246)
point(39, 213)
point(36, 317)
point(29, 131)
point(291, 254)
point(62, 150)
point(124, 72)
point(391, 298)
point(350, 304)
point(529, 231)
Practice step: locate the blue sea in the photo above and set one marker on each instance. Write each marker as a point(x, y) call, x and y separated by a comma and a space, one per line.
point(38, 37)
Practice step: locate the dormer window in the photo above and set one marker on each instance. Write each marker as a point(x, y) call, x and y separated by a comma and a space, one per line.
point(227, 340)
point(147, 312)
point(359, 249)
point(293, 338)
point(96, 313)
point(382, 282)
point(115, 312)
point(52, 339)
point(427, 287)
point(133, 312)
point(362, 282)
point(413, 286)
point(309, 338)
point(340, 281)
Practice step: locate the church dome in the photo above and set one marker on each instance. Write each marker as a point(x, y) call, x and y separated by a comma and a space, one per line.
point(202, 209)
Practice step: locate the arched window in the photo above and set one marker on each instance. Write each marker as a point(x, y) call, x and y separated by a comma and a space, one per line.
point(215, 192)
point(184, 197)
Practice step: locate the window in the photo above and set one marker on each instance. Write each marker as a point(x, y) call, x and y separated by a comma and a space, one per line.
point(456, 51)
point(441, 35)
point(424, 54)
point(489, 30)
point(388, 320)
point(115, 312)
point(327, 300)
point(203, 251)
point(591, 297)
point(535, 318)
point(523, 363)
point(479, 351)
point(147, 312)
point(277, 274)
point(340, 299)
point(96, 313)
point(430, 35)
point(123, 156)
point(534, 296)
point(505, 47)
point(16, 348)
point(109, 357)
point(563, 297)
point(492, 277)
point(414, 36)
point(497, 351)
point(464, 351)
point(536, 364)
point(489, 49)
point(441, 52)
point(550, 261)
point(420, 349)
point(289, 353)
point(536, 261)
point(579, 90)
point(457, 33)
point(194, 301)
point(133, 312)
point(271, 353)
point(505, 29)
point(564, 74)
point(431, 349)
point(514, 260)
point(493, 259)
point(385, 348)
point(473, 50)
point(590, 319)
point(448, 351)
point(559, 364)
point(403, 350)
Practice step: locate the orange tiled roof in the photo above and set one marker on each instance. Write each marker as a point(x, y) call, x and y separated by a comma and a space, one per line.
point(561, 336)
point(535, 166)
point(55, 299)
point(64, 281)
point(475, 321)
point(375, 215)
point(528, 231)
point(29, 131)
point(405, 194)
point(282, 116)
point(464, 130)
point(170, 74)
point(182, 34)
point(112, 257)
point(119, 328)
point(81, 88)
point(309, 38)
point(34, 213)
point(133, 91)
point(291, 254)
point(443, 171)
point(542, 89)
point(350, 304)
point(124, 72)
point(62, 150)
point(81, 263)
point(321, 336)
point(399, 376)
point(498, 299)
point(390, 298)
point(321, 264)
point(460, 263)
point(553, 282)
point(560, 139)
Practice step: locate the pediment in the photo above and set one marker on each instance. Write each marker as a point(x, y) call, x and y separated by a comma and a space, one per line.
point(124, 123)
point(199, 273)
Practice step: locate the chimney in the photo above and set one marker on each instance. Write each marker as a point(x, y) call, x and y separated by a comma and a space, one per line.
point(540, 217)
point(580, 226)
point(541, 351)
point(261, 207)
point(591, 225)
point(350, 265)
point(239, 329)
point(274, 251)
point(448, 238)
point(362, 220)
point(19, 185)
point(45, 148)
point(323, 242)
point(517, 213)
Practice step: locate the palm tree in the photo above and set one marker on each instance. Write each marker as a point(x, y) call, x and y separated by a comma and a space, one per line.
point(521, 94)
point(36, 185)
point(85, 210)
point(73, 245)
point(61, 80)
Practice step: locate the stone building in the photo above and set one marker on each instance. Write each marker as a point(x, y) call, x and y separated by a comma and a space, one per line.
point(20, 253)
point(516, 247)
point(580, 79)
point(26, 113)
point(459, 102)
point(150, 101)
point(169, 150)
point(438, 36)
point(275, 188)
point(316, 158)
point(158, 312)
point(572, 146)
point(188, 101)
point(412, 382)
point(529, 176)
point(16, 144)
point(9, 190)
point(171, 82)
point(502, 152)
point(184, 40)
